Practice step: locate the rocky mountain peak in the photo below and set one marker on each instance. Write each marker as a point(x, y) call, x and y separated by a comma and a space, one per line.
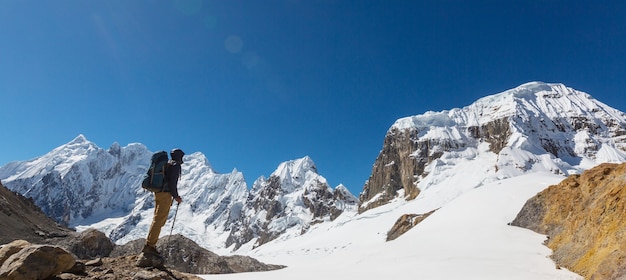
point(534, 126)
point(296, 173)
point(290, 200)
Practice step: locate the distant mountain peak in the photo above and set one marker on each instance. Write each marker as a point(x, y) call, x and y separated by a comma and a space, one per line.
point(295, 172)
point(80, 139)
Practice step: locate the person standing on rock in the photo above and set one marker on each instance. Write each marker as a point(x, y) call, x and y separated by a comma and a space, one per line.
point(163, 201)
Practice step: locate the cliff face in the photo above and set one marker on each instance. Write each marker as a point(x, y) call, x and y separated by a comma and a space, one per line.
point(405, 155)
point(584, 217)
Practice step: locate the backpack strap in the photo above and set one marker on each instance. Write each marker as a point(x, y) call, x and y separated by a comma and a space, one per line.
point(164, 178)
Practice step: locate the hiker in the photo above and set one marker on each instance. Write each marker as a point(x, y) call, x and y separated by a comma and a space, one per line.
point(163, 200)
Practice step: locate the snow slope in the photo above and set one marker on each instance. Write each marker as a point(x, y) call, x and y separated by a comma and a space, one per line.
point(467, 238)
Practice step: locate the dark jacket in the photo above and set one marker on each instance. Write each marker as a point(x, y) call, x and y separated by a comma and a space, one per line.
point(172, 174)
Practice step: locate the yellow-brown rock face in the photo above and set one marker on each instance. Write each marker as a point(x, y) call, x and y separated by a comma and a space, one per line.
point(584, 217)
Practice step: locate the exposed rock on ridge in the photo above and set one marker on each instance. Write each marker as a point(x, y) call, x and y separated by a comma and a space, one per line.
point(291, 197)
point(584, 217)
point(405, 223)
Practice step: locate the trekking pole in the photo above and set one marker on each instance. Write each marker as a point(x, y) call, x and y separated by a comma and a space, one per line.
point(172, 229)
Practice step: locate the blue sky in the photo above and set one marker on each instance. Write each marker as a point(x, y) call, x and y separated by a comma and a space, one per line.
point(254, 83)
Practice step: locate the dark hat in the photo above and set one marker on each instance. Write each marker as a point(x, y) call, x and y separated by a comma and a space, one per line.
point(177, 155)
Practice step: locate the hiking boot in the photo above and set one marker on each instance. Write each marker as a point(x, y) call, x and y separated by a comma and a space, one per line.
point(149, 260)
point(143, 261)
point(147, 249)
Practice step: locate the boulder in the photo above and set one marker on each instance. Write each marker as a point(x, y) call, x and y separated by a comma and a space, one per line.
point(89, 244)
point(9, 249)
point(183, 254)
point(36, 262)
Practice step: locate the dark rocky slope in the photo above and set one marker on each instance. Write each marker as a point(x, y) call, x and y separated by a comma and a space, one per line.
point(22, 219)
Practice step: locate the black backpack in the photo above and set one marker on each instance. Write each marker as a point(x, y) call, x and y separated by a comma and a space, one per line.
point(155, 179)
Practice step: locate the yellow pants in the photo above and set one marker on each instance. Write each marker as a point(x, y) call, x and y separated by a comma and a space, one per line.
point(162, 204)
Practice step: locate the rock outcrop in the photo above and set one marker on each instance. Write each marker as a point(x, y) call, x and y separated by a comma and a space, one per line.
point(584, 218)
point(405, 223)
point(183, 254)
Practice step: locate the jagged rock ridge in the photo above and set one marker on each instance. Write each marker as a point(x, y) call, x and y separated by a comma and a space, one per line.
point(536, 126)
point(293, 197)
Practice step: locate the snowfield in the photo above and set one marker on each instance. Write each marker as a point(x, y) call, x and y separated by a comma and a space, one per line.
point(467, 238)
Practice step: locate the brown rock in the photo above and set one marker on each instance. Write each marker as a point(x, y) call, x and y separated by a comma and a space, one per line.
point(9, 249)
point(36, 262)
point(584, 217)
point(395, 169)
point(150, 275)
point(405, 223)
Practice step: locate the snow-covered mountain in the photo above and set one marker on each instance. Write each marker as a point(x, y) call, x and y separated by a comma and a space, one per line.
point(82, 185)
point(292, 198)
point(474, 165)
point(534, 127)
point(79, 182)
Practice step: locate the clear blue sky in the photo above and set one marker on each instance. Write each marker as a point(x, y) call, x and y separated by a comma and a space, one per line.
point(254, 83)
